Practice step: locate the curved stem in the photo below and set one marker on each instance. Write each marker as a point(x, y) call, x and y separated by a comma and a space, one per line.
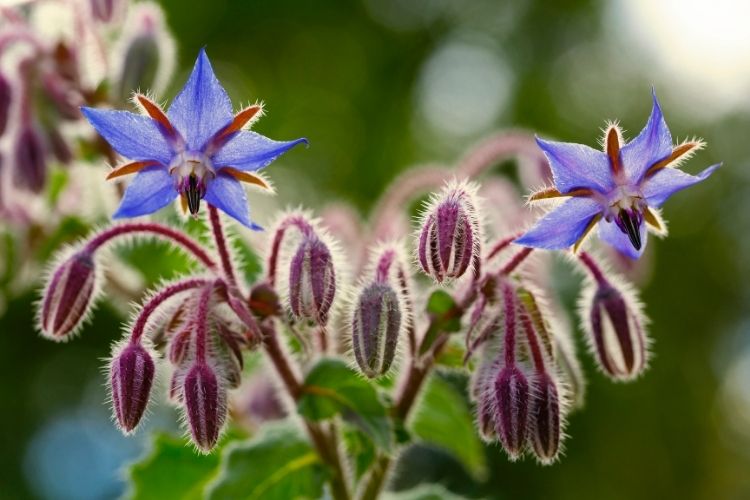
point(191, 246)
point(221, 245)
point(515, 261)
point(157, 300)
point(293, 220)
point(590, 264)
point(499, 147)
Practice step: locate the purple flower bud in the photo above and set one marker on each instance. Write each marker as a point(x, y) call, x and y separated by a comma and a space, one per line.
point(31, 165)
point(205, 405)
point(312, 280)
point(68, 296)
point(616, 334)
point(449, 239)
point(131, 375)
point(512, 398)
point(6, 93)
point(482, 391)
point(179, 347)
point(376, 324)
point(545, 415)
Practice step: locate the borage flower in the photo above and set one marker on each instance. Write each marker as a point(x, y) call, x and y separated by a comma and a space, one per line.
point(197, 150)
point(620, 188)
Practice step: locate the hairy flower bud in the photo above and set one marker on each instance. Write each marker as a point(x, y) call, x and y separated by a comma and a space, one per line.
point(449, 238)
point(131, 375)
point(68, 296)
point(179, 347)
point(205, 405)
point(544, 418)
point(31, 165)
point(376, 324)
point(6, 93)
point(512, 398)
point(616, 333)
point(312, 280)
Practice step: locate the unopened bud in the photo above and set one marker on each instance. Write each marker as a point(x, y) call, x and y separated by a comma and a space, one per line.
point(6, 93)
point(131, 376)
point(312, 280)
point(31, 165)
point(545, 415)
point(449, 238)
point(68, 296)
point(616, 333)
point(512, 398)
point(205, 405)
point(376, 324)
point(179, 347)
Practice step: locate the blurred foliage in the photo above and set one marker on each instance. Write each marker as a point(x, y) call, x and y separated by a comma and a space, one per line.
point(334, 72)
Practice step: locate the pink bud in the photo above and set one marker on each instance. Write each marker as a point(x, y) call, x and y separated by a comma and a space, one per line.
point(312, 280)
point(512, 398)
point(68, 297)
point(449, 239)
point(31, 165)
point(544, 428)
point(376, 324)
point(204, 404)
point(131, 376)
point(616, 334)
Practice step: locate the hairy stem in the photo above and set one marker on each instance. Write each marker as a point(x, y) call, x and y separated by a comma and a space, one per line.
point(221, 245)
point(596, 272)
point(515, 261)
point(192, 247)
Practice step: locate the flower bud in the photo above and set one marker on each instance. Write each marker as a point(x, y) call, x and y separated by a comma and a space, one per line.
point(544, 418)
point(512, 399)
point(31, 165)
point(449, 239)
point(616, 334)
point(204, 404)
point(312, 280)
point(6, 93)
point(179, 347)
point(68, 297)
point(131, 375)
point(376, 324)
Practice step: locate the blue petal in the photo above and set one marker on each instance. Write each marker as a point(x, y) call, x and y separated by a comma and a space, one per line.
point(251, 151)
point(577, 166)
point(654, 143)
point(668, 181)
point(563, 226)
point(133, 136)
point(612, 235)
point(152, 189)
point(202, 107)
point(227, 194)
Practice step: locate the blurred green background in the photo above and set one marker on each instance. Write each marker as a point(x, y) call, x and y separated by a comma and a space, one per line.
point(379, 85)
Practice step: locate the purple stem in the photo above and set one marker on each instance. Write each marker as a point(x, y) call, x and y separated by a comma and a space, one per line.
point(221, 245)
point(531, 336)
point(294, 220)
point(515, 261)
point(509, 342)
point(501, 245)
point(186, 243)
point(201, 322)
point(596, 271)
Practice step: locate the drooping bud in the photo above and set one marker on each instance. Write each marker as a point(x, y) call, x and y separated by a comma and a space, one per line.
point(131, 376)
point(205, 405)
point(376, 325)
point(179, 347)
point(312, 280)
point(31, 165)
point(616, 334)
point(6, 93)
point(68, 296)
point(512, 399)
point(449, 239)
point(545, 418)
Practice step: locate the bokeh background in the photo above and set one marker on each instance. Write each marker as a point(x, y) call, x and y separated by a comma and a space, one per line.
point(380, 85)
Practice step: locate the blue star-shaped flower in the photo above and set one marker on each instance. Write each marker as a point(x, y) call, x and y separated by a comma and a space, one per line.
point(620, 188)
point(197, 150)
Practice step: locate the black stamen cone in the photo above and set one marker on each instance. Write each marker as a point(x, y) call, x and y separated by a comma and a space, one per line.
point(193, 195)
point(631, 226)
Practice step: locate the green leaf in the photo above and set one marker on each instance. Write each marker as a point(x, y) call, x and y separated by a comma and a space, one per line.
point(278, 463)
point(443, 419)
point(445, 317)
point(424, 492)
point(361, 450)
point(332, 388)
point(172, 470)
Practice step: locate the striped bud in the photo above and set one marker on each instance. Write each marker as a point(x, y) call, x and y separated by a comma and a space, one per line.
point(68, 296)
point(449, 238)
point(616, 334)
point(544, 418)
point(205, 405)
point(312, 280)
point(31, 165)
point(131, 375)
point(512, 399)
point(376, 324)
